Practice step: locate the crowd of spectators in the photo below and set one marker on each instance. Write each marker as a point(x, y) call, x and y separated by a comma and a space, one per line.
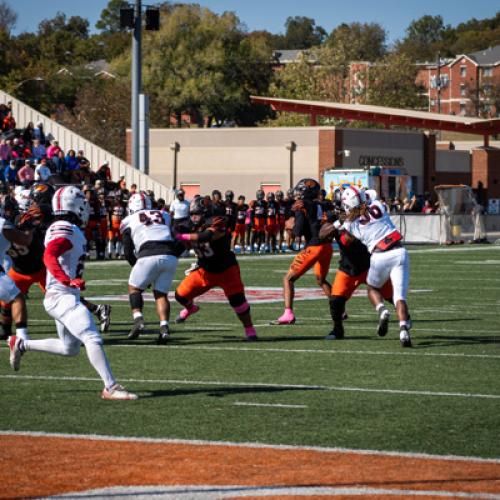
point(413, 204)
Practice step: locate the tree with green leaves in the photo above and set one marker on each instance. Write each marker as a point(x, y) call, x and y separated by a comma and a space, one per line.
point(302, 33)
point(8, 17)
point(109, 22)
point(358, 42)
point(202, 64)
point(392, 83)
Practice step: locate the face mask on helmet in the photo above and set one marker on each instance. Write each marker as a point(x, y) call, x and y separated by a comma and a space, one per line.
point(199, 209)
point(309, 188)
point(270, 197)
point(229, 195)
point(69, 200)
point(137, 202)
point(260, 194)
point(279, 195)
point(42, 193)
point(352, 198)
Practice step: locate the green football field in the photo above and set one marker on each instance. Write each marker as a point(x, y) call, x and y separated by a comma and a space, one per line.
point(293, 386)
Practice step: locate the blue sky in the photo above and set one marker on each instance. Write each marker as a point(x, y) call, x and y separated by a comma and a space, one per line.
point(393, 15)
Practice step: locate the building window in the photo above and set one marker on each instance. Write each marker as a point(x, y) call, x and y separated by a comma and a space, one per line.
point(463, 71)
point(462, 108)
point(463, 89)
point(488, 72)
point(270, 187)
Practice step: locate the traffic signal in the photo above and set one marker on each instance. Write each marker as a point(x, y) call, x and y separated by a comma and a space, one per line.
point(127, 17)
point(152, 19)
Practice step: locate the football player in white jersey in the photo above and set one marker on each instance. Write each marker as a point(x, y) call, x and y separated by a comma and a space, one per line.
point(371, 224)
point(152, 251)
point(9, 293)
point(65, 250)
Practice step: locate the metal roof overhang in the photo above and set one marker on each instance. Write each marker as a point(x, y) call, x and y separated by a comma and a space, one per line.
point(384, 115)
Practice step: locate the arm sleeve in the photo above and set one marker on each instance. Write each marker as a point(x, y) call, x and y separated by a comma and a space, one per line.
point(128, 247)
point(53, 250)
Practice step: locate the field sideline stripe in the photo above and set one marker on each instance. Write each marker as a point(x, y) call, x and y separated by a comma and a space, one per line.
point(268, 405)
point(312, 351)
point(262, 384)
point(100, 437)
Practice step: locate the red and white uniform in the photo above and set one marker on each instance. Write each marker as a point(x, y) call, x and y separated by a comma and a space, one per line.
point(64, 256)
point(389, 259)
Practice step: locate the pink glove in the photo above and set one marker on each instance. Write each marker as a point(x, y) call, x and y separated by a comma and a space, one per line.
point(183, 237)
point(77, 283)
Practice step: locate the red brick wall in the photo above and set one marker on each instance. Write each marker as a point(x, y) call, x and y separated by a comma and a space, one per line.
point(329, 144)
point(452, 178)
point(486, 169)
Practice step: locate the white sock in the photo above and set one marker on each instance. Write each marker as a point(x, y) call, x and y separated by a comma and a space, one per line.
point(402, 324)
point(137, 314)
point(22, 333)
point(50, 346)
point(163, 322)
point(99, 361)
point(379, 306)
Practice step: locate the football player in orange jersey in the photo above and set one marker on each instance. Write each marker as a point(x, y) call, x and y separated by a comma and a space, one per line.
point(210, 238)
point(116, 215)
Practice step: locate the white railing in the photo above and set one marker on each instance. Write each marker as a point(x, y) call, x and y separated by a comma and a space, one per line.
point(68, 139)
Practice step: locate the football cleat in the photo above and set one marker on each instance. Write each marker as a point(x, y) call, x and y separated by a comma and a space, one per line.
point(336, 334)
point(250, 334)
point(164, 336)
point(383, 322)
point(185, 313)
point(285, 319)
point(137, 328)
point(404, 337)
point(15, 352)
point(117, 393)
point(104, 314)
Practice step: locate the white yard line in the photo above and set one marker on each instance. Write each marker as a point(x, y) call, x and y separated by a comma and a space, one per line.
point(218, 383)
point(268, 405)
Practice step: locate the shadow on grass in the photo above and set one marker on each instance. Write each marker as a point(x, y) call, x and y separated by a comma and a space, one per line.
point(220, 392)
point(426, 341)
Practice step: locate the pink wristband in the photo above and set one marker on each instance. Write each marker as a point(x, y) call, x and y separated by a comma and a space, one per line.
point(183, 237)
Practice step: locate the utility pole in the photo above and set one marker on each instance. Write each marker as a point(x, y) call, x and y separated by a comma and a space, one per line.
point(438, 82)
point(136, 81)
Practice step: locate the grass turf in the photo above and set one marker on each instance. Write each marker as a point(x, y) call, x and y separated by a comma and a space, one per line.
point(442, 396)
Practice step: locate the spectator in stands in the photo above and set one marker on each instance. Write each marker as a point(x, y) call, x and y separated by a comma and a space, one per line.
point(8, 122)
point(38, 133)
point(86, 176)
point(53, 150)
point(4, 153)
point(29, 133)
point(427, 208)
point(82, 160)
point(133, 190)
point(72, 162)
point(99, 187)
point(409, 204)
point(26, 174)
point(42, 171)
point(10, 172)
point(104, 172)
point(16, 152)
point(123, 191)
point(39, 150)
point(59, 162)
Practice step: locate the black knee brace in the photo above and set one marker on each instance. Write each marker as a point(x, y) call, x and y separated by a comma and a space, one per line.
point(337, 307)
point(136, 300)
point(183, 301)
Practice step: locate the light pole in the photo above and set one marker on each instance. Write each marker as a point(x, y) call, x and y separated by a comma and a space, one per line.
point(291, 146)
point(175, 147)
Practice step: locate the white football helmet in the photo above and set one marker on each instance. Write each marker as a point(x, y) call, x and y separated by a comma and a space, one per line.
point(352, 197)
point(137, 202)
point(370, 195)
point(23, 200)
point(70, 200)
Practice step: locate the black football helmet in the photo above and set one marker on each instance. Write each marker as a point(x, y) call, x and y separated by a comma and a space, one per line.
point(200, 205)
point(229, 195)
point(260, 194)
point(308, 188)
point(215, 193)
point(270, 196)
point(279, 195)
point(42, 193)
